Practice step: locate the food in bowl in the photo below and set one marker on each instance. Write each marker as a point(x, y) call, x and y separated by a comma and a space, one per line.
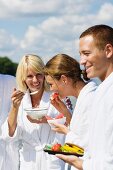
point(60, 119)
point(37, 113)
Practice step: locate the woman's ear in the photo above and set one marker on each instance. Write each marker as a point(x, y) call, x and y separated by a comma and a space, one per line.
point(64, 79)
point(109, 50)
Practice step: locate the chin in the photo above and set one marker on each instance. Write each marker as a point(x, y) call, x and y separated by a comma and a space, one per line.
point(89, 75)
point(61, 96)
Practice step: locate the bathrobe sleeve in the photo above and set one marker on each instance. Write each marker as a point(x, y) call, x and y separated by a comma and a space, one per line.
point(79, 126)
point(7, 84)
point(7, 150)
point(5, 130)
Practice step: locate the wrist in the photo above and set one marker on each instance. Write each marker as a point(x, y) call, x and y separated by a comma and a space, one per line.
point(78, 164)
point(66, 130)
point(14, 108)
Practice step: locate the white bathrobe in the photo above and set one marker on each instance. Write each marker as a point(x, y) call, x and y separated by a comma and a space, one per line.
point(8, 156)
point(101, 131)
point(79, 126)
point(35, 137)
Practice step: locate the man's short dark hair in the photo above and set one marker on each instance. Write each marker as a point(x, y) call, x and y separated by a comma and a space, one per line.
point(102, 34)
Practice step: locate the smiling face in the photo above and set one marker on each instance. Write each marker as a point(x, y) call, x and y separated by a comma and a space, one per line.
point(34, 80)
point(95, 60)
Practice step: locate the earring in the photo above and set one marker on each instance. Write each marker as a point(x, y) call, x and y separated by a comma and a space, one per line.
point(64, 82)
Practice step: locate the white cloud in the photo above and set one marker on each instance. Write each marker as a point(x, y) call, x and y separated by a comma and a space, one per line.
point(106, 12)
point(58, 34)
point(32, 35)
point(20, 8)
point(7, 42)
point(50, 37)
point(8, 45)
point(12, 8)
point(55, 33)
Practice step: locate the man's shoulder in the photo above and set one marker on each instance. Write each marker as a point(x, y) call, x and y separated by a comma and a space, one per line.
point(7, 79)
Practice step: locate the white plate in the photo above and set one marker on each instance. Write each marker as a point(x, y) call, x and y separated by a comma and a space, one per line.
point(37, 113)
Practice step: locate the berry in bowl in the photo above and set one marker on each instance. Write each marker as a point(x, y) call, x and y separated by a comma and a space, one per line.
point(60, 119)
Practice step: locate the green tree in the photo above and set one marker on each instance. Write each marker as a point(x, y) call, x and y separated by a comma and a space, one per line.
point(7, 66)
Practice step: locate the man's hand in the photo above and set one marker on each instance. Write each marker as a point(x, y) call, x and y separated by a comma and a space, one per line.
point(72, 160)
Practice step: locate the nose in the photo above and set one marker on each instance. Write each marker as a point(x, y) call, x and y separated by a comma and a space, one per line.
point(83, 60)
point(35, 78)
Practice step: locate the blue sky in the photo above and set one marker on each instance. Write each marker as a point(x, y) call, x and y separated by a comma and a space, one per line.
point(48, 27)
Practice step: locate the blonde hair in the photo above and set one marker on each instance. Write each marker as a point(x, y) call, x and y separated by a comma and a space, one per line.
point(30, 61)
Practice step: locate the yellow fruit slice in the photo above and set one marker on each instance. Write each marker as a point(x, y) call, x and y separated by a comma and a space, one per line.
point(70, 148)
point(75, 146)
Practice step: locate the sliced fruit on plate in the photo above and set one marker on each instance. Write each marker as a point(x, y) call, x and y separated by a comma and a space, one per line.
point(48, 146)
point(48, 117)
point(56, 147)
point(59, 116)
point(68, 147)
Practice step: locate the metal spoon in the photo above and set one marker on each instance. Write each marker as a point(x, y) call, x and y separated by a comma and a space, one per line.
point(34, 92)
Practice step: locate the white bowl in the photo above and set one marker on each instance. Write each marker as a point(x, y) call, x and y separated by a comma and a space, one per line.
point(59, 121)
point(36, 113)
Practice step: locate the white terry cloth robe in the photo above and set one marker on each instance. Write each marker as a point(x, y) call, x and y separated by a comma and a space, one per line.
point(35, 137)
point(8, 155)
point(101, 131)
point(79, 126)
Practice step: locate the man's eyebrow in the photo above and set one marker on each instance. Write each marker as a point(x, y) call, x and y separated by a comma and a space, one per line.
point(83, 51)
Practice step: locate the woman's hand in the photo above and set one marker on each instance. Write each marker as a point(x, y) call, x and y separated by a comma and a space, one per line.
point(60, 128)
point(61, 107)
point(38, 121)
point(58, 104)
point(16, 98)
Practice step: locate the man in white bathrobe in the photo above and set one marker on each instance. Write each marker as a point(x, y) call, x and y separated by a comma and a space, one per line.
point(8, 157)
point(96, 51)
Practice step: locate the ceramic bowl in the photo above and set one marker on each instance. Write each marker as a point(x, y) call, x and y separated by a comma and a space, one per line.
point(59, 121)
point(37, 113)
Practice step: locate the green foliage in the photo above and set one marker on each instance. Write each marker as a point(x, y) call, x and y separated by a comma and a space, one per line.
point(7, 66)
